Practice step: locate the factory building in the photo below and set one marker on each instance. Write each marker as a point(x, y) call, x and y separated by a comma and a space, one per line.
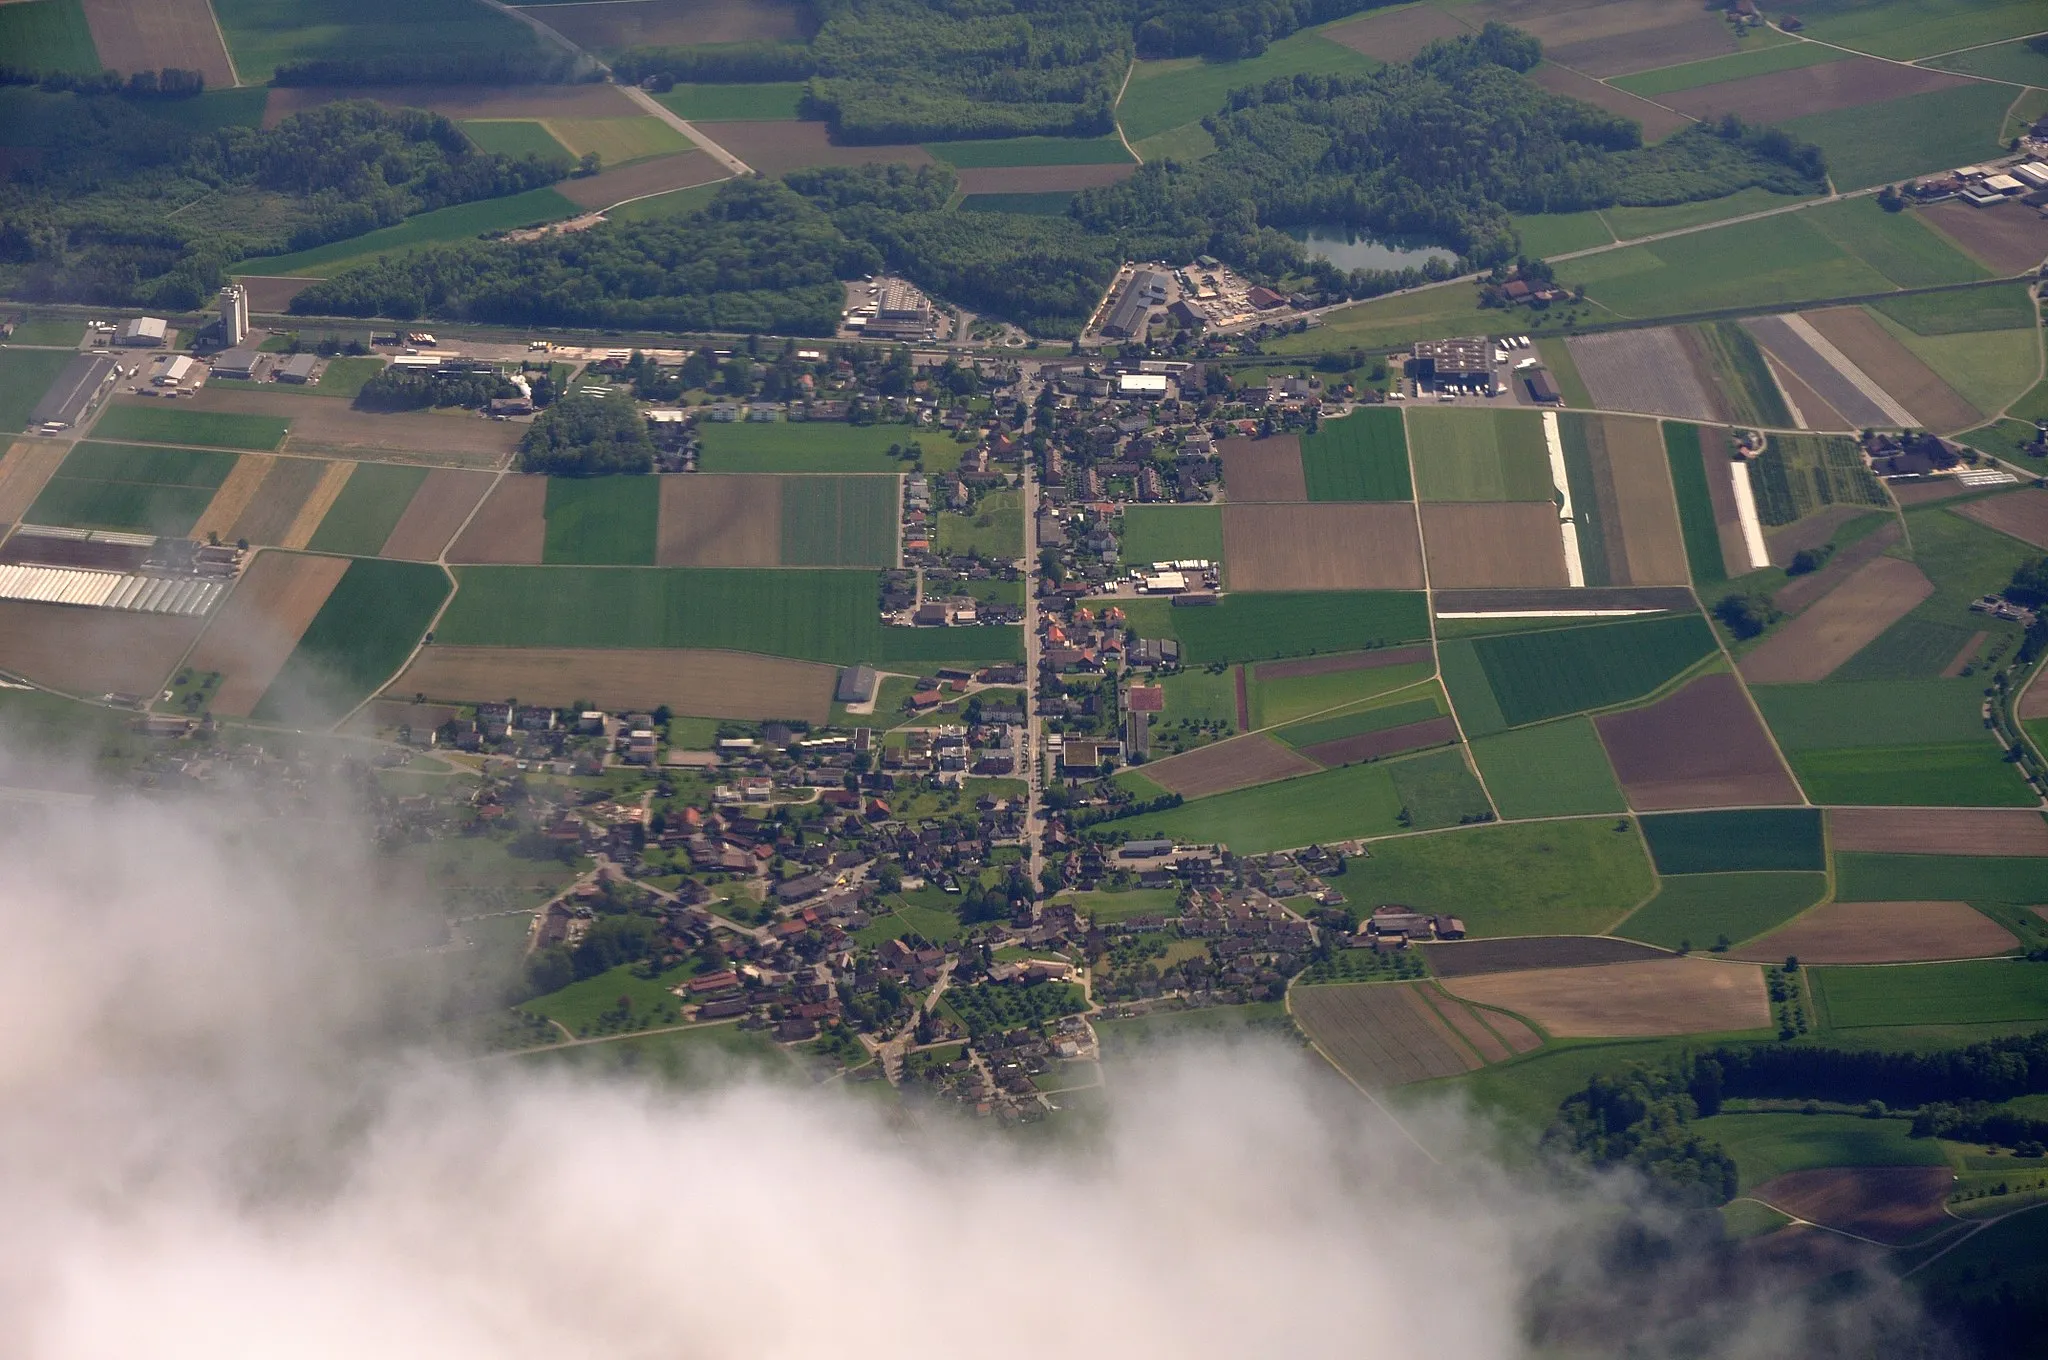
point(65, 404)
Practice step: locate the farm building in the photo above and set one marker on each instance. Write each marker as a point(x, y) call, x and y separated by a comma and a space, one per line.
point(1184, 314)
point(65, 403)
point(1542, 387)
point(1264, 299)
point(143, 332)
point(176, 371)
point(297, 369)
point(1466, 361)
point(240, 363)
point(856, 685)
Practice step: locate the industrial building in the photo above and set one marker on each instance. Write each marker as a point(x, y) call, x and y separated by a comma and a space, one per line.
point(1147, 385)
point(902, 312)
point(247, 364)
point(1458, 365)
point(234, 315)
point(175, 371)
point(144, 332)
point(1132, 314)
point(298, 369)
point(65, 404)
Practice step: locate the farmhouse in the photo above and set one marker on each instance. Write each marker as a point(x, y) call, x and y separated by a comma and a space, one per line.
point(144, 332)
point(64, 405)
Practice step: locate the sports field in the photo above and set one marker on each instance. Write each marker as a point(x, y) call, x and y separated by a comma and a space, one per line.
point(602, 521)
point(264, 34)
point(26, 374)
point(1363, 457)
point(1480, 456)
point(129, 487)
point(371, 621)
point(457, 223)
point(156, 424)
point(804, 446)
point(1698, 911)
point(1556, 769)
point(1172, 533)
point(1549, 878)
point(1536, 675)
point(1301, 623)
point(769, 100)
point(1736, 840)
point(367, 510)
point(1982, 992)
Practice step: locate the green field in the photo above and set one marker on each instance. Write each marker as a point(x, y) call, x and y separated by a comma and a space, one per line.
point(852, 521)
point(367, 510)
point(1203, 696)
point(1878, 143)
point(1797, 475)
point(1169, 94)
point(1357, 722)
point(1981, 992)
point(1695, 504)
point(515, 137)
point(457, 223)
point(804, 446)
point(48, 35)
point(1735, 66)
point(208, 429)
point(1630, 224)
point(675, 203)
point(1861, 877)
point(1291, 698)
point(1050, 204)
point(1297, 623)
point(1972, 774)
point(602, 521)
point(1901, 246)
point(1536, 675)
point(1172, 533)
point(346, 375)
point(1915, 28)
point(1734, 841)
point(1362, 457)
point(1994, 307)
point(1570, 385)
point(1107, 907)
point(127, 487)
point(993, 528)
point(815, 615)
point(1419, 314)
point(1991, 369)
point(1549, 878)
point(2009, 1254)
point(1743, 377)
point(1547, 234)
point(263, 34)
point(357, 642)
point(1699, 909)
point(1768, 1145)
point(25, 375)
point(2021, 62)
point(1438, 790)
point(770, 101)
point(47, 331)
point(1744, 264)
point(578, 1005)
point(696, 1056)
point(1911, 649)
point(1556, 769)
point(1467, 455)
point(1355, 800)
point(1009, 151)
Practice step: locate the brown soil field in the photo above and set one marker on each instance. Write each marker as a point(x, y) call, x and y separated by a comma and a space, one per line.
point(1702, 747)
point(1263, 469)
point(1965, 655)
point(777, 148)
point(1883, 932)
point(720, 520)
point(234, 496)
point(464, 101)
point(2034, 703)
point(435, 512)
point(1895, 368)
point(1802, 591)
point(2020, 514)
point(1563, 600)
point(91, 652)
point(1328, 546)
point(702, 684)
point(1235, 764)
point(1778, 95)
point(1721, 492)
point(657, 175)
point(324, 425)
point(28, 464)
point(1838, 625)
point(1519, 1036)
point(1244, 700)
point(1613, 1000)
point(333, 477)
point(1896, 1205)
point(1923, 493)
point(1939, 831)
point(510, 527)
point(1345, 661)
point(88, 555)
point(1391, 741)
point(253, 634)
point(1469, 1027)
point(1643, 370)
point(1658, 122)
point(271, 295)
point(149, 35)
point(2009, 239)
point(1809, 410)
point(609, 26)
point(1380, 1034)
point(1633, 466)
point(1519, 954)
point(1043, 179)
point(1504, 543)
point(1613, 37)
point(1811, 532)
point(269, 515)
point(1397, 36)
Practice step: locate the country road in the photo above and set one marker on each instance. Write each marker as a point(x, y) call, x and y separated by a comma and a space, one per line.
point(683, 125)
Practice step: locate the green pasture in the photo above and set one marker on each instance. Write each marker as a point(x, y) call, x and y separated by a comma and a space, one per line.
point(360, 638)
point(682, 1058)
point(1290, 698)
point(1001, 152)
point(1911, 649)
point(264, 34)
point(1695, 503)
point(1696, 910)
point(1479, 455)
point(1865, 877)
point(1556, 769)
point(1983, 991)
point(514, 137)
point(1735, 840)
point(578, 1005)
point(1335, 805)
point(1735, 66)
point(1359, 721)
point(1547, 234)
point(47, 331)
point(1872, 713)
point(1629, 224)
point(2009, 1254)
point(602, 521)
point(993, 528)
point(1105, 908)
point(345, 376)
point(131, 488)
point(26, 374)
point(367, 510)
point(1202, 696)
point(1898, 245)
point(1172, 533)
point(1163, 95)
point(1994, 307)
point(1187, 143)
point(1533, 878)
point(1362, 457)
point(1570, 385)
point(1902, 29)
point(1990, 369)
point(1768, 261)
point(1421, 314)
point(1288, 623)
point(1768, 1145)
point(457, 223)
point(1547, 674)
point(48, 35)
point(177, 425)
point(2022, 62)
point(853, 521)
point(1881, 143)
point(804, 446)
point(769, 101)
point(2001, 439)
point(1972, 774)
point(1051, 204)
point(674, 203)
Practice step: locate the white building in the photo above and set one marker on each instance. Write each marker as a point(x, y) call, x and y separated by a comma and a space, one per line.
point(234, 315)
point(143, 331)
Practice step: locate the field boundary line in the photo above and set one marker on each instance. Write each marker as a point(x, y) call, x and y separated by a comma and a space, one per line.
point(229, 52)
point(684, 126)
point(1976, 47)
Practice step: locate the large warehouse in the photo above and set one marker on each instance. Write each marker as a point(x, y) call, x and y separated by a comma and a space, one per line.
point(64, 405)
point(1146, 290)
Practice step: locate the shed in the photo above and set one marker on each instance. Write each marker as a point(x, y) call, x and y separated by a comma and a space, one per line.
point(65, 403)
point(239, 363)
point(143, 331)
point(298, 369)
point(856, 685)
point(1542, 387)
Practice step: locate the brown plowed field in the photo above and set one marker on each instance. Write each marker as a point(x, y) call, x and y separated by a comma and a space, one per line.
point(86, 554)
point(1391, 741)
point(1344, 661)
point(1811, 532)
point(1883, 932)
point(1380, 1034)
point(271, 295)
point(435, 512)
point(608, 26)
point(1645, 370)
point(1043, 179)
point(1398, 36)
point(1634, 463)
point(1924, 493)
point(1778, 95)
point(2010, 238)
point(234, 496)
point(777, 148)
point(1467, 1024)
point(1802, 591)
point(324, 425)
point(90, 652)
point(1327, 546)
point(1965, 654)
point(1809, 410)
point(1501, 543)
point(1839, 624)
point(1519, 954)
point(253, 634)
point(1895, 368)
point(149, 35)
point(1658, 122)
point(702, 684)
point(1263, 469)
point(2021, 514)
point(1234, 764)
point(657, 175)
point(1939, 831)
point(1563, 600)
point(720, 520)
point(1519, 1036)
point(333, 478)
point(464, 101)
point(1613, 1000)
point(1702, 747)
point(29, 464)
point(1613, 37)
point(510, 527)
point(2034, 703)
point(268, 516)
point(1896, 1205)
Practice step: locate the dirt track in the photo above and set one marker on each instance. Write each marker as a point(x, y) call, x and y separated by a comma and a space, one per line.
point(1322, 546)
point(1891, 1204)
point(253, 634)
point(90, 652)
point(1883, 932)
point(1839, 624)
point(1235, 764)
point(1263, 469)
point(703, 684)
point(1701, 747)
point(1655, 996)
point(1939, 831)
point(1498, 544)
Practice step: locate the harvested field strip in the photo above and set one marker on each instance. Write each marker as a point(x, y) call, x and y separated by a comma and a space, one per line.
point(1653, 997)
point(705, 684)
point(436, 511)
point(1939, 831)
point(1362, 457)
point(601, 521)
point(1322, 547)
point(1517, 954)
point(268, 518)
point(1824, 368)
point(1884, 932)
point(334, 479)
point(1518, 1035)
point(29, 465)
point(1498, 544)
point(1715, 70)
point(1348, 661)
point(1775, 96)
point(91, 652)
point(1993, 991)
point(1395, 35)
point(1653, 550)
point(234, 497)
point(368, 509)
point(251, 636)
point(840, 521)
point(1658, 122)
point(1263, 469)
point(510, 527)
point(1698, 911)
point(1235, 764)
point(1379, 1034)
point(2019, 514)
point(1377, 745)
point(370, 622)
point(1895, 369)
point(721, 520)
point(1803, 591)
point(1467, 1025)
point(1745, 378)
point(1466, 455)
point(1702, 747)
point(1838, 625)
point(1595, 514)
point(1550, 673)
point(1734, 841)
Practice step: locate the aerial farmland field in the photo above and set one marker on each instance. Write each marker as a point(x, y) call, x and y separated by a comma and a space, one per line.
point(1480, 456)
point(369, 623)
point(1931, 994)
point(1556, 769)
point(1736, 840)
point(805, 446)
point(1697, 911)
point(368, 509)
point(1362, 457)
point(1255, 628)
point(1553, 672)
point(1535, 878)
point(131, 487)
point(156, 424)
point(601, 521)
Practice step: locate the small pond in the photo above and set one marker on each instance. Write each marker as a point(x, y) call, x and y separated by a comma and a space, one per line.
point(1350, 249)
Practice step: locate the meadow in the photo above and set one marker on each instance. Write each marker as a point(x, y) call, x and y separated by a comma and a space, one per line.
point(852, 521)
point(48, 331)
point(993, 528)
point(1547, 674)
point(1105, 908)
point(367, 510)
point(25, 375)
point(1630, 223)
point(1872, 713)
point(1480, 456)
point(1287, 699)
point(206, 429)
point(1990, 368)
point(769, 101)
point(675, 203)
point(1547, 234)
point(1362, 457)
point(1698, 910)
point(1012, 151)
point(357, 642)
point(1202, 696)
point(514, 137)
point(1359, 721)
point(1356, 800)
point(2020, 62)
point(457, 223)
point(1771, 260)
point(1737, 840)
point(1880, 143)
point(1913, 28)
point(1769, 1145)
point(803, 446)
point(619, 141)
point(1735, 66)
point(48, 35)
point(1861, 877)
point(1981, 992)
point(578, 1005)
point(1695, 503)
point(1899, 245)
point(1550, 878)
point(1971, 774)
point(131, 488)
point(1421, 314)
point(264, 34)
point(1994, 307)
point(1556, 769)
point(1163, 95)
point(602, 521)
point(1299, 623)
